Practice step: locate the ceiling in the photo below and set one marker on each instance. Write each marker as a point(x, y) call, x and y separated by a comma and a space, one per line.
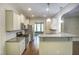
point(39, 9)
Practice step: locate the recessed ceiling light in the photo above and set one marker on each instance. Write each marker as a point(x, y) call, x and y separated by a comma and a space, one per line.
point(29, 9)
point(33, 15)
point(47, 9)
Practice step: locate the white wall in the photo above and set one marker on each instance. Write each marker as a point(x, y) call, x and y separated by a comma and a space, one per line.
point(2, 32)
point(71, 25)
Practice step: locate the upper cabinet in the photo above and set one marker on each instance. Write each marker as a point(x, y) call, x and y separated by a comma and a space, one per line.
point(12, 20)
point(24, 21)
point(22, 18)
point(18, 22)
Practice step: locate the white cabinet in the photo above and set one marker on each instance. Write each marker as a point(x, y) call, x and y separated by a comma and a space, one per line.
point(15, 46)
point(22, 46)
point(12, 20)
point(26, 23)
point(18, 22)
point(22, 18)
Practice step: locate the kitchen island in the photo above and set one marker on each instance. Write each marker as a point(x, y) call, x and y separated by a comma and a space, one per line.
point(56, 44)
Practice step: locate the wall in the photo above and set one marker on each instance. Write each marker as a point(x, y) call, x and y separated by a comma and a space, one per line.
point(2, 32)
point(71, 25)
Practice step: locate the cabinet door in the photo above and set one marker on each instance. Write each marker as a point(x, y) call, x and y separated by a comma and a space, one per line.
point(12, 21)
point(15, 21)
point(22, 18)
point(9, 20)
point(18, 22)
point(26, 23)
point(12, 48)
point(22, 46)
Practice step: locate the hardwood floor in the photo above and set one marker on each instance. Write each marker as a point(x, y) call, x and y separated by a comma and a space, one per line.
point(31, 49)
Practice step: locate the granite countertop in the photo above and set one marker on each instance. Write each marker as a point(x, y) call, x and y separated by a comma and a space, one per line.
point(16, 39)
point(58, 35)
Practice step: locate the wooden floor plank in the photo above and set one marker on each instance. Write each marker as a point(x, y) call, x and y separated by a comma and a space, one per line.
point(31, 50)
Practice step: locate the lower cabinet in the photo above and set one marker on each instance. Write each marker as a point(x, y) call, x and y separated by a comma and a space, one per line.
point(22, 46)
point(75, 47)
point(15, 47)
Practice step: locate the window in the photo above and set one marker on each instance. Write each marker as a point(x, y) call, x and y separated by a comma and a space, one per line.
point(38, 27)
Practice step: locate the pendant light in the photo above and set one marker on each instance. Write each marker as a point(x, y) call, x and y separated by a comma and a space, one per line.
point(47, 9)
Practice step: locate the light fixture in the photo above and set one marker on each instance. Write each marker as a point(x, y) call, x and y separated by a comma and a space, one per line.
point(47, 9)
point(48, 18)
point(29, 9)
point(33, 15)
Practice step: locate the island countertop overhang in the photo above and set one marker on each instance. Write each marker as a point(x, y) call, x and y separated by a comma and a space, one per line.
point(58, 35)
